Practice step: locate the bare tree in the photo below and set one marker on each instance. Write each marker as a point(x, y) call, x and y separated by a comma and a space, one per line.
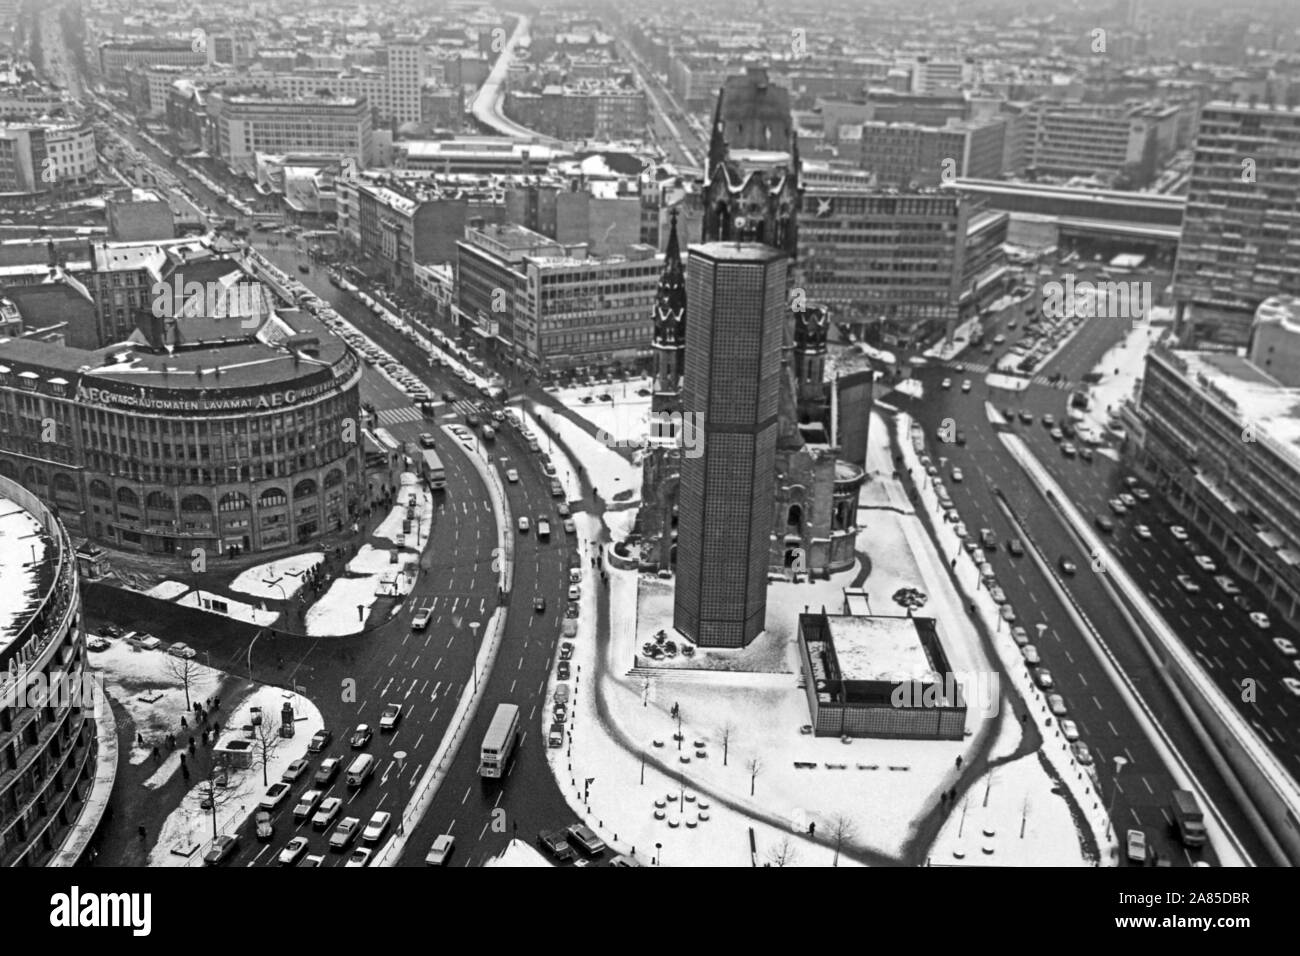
point(725, 733)
point(266, 737)
point(215, 791)
point(783, 854)
point(186, 672)
point(755, 766)
point(843, 830)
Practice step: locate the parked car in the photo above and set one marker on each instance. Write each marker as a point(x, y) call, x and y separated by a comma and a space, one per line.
point(1292, 684)
point(441, 850)
point(512, 476)
point(555, 843)
point(1044, 679)
point(388, 720)
point(1260, 620)
point(221, 849)
point(585, 839)
point(359, 857)
point(1056, 704)
point(1227, 585)
point(1284, 645)
point(1030, 654)
point(1081, 752)
point(1020, 635)
point(1117, 506)
point(1205, 563)
point(566, 650)
point(1179, 532)
point(1104, 524)
point(1069, 730)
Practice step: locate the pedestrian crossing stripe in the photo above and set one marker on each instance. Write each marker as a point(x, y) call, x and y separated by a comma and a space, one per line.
point(393, 416)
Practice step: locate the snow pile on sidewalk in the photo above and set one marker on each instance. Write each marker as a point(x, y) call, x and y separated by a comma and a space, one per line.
point(167, 590)
point(150, 687)
point(1120, 368)
point(391, 527)
point(609, 473)
point(626, 418)
point(237, 610)
point(518, 853)
point(190, 824)
point(267, 580)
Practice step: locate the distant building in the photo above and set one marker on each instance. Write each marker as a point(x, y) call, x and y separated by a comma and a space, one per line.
point(1089, 139)
point(1275, 339)
point(43, 156)
point(138, 215)
point(247, 123)
point(909, 155)
point(116, 55)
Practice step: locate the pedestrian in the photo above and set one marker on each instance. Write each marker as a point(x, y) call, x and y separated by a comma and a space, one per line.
point(183, 724)
point(185, 773)
point(140, 830)
point(156, 758)
point(191, 746)
point(139, 739)
point(959, 761)
point(812, 829)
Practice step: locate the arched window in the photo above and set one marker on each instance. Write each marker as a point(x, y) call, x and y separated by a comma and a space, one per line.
point(158, 499)
point(334, 478)
point(352, 466)
point(234, 501)
point(63, 482)
point(99, 489)
point(794, 518)
point(304, 489)
point(196, 503)
point(125, 496)
point(271, 497)
point(34, 476)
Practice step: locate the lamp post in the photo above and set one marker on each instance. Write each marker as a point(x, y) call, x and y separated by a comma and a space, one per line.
point(1120, 761)
point(473, 630)
point(400, 757)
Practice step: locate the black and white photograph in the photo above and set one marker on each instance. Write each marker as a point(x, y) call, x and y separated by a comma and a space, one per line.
point(821, 434)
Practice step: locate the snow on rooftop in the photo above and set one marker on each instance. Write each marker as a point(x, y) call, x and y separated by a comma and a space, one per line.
point(22, 552)
point(879, 648)
point(1273, 409)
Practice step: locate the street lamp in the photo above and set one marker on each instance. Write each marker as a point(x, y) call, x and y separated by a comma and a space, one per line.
point(1120, 761)
point(473, 630)
point(400, 757)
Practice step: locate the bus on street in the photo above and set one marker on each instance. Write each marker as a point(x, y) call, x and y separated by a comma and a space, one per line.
point(434, 473)
point(499, 742)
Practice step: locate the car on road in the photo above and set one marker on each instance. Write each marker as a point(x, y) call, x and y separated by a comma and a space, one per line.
point(421, 619)
point(319, 741)
point(562, 509)
point(961, 437)
point(1135, 847)
point(274, 796)
point(569, 526)
point(1141, 494)
point(389, 718)
point(1127, 500)
point(1227, 585)
point(1069, 730)
point(1105, 524)
point(295, 770)
point(1284, 645)
point(1085, 453)
point(946, 383)
point(1117, 506)
point(1292, 684)
point(361, 737)
point(377, 826)
point(293, 851)
point(965, 386)
point(344, 833)
point(1015, 548)
point(427, 440)
point(1026, 418)
point(1056, 704)
point(1056, 434)
point(575, 592)
point(1030, 654)
point(585, 839)
point(562, 670)
point(359, 857)
point(451, 397)
point(512, 476)
point(327, 771)
point(1081, 752)
point(1044, 678)
point(327, 812)
point(1020, 635)
point(441, 850)
point(221, 849)
point(523, 524)
point(1068, 449)
point(307, 804)
point(957, 475)
point(1143, 532)
point(566, 650)
point(1205, 563)
point(1187, 584)
point(1049, 421)
point(1260, 620)
point(539, 605)
point(556, 844)
point(1179, 532)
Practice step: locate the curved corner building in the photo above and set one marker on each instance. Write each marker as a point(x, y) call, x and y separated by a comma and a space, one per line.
point(48, 742)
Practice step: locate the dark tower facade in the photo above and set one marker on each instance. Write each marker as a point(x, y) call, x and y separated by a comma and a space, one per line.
point(736, 315)
point(669, 337)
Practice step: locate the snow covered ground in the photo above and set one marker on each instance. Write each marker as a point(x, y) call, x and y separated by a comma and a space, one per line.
point(1121, 367)
point(518, 853)
point(336, 615)
point(610, 473)
point(189, 825)
point(267, 580)
point(238, 610)
point(150, 687)
point(391, 527)
point(168, 590)
point(627, 417)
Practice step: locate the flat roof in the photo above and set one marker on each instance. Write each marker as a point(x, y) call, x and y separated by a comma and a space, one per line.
point(1271, 407)
point(20, 533)
point(879, 648)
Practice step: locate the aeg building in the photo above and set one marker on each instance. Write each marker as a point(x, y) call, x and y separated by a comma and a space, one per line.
point(195, 432)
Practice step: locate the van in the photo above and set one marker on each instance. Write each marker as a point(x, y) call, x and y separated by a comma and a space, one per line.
point(1189, 822)
point(360, 769)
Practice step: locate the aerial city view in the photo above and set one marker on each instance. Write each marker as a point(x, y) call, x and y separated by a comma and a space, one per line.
point(838, 433)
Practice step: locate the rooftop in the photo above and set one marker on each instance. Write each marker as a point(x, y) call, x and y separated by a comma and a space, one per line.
point(1259, 398)
point(879, 648)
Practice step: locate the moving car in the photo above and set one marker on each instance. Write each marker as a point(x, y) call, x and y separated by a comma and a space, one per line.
point(1187, 584)
point(319, 741)
point(539, 605)
point(361, 736)
point(295, 770)
point(1135, 845)
point(293, 851)
point(555, 843)
point(421, 619)
point(512, 476)
point(1143, 532)
point(965, 386)
point(274, 796)
point(523, 524)
point(377, 826)
point(1284, 645)
point(344, 833)
point(1104, 524)
point(359, 857)
point(328, 811)
point(427, 440)
point(957, 475)
point(307, 804)
point(441, 850)
point(946, 383)
point(1260, 620)
point(389, 718)
point(221, 849)
point(1205, 563)
point(1015, 548)
point(327, 771)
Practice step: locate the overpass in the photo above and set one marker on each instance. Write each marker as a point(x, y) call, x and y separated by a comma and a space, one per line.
point(486, 107)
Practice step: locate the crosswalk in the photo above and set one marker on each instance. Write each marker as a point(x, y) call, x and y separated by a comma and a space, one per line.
point(395, 416)
point(1064, 385)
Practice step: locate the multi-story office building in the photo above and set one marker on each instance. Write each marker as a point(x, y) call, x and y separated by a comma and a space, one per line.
point(116, 55)
point(735, 328)
point(908, 155)
point(549, 306)
point(49, 751)
point(1275, 339)
point(1087, 139)
point(43, 156)
point(936, 75)
point(215, 433)
point(1238, 243)
point(1220, 434)
point(246, 123)
point(608, 110)
point(442, 106)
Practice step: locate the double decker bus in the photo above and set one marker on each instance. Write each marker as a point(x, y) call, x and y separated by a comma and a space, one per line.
point(434, 472)
point(499, 742)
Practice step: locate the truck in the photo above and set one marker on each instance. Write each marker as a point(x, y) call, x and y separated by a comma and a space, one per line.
point(499, 742)
point(1189, 822)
